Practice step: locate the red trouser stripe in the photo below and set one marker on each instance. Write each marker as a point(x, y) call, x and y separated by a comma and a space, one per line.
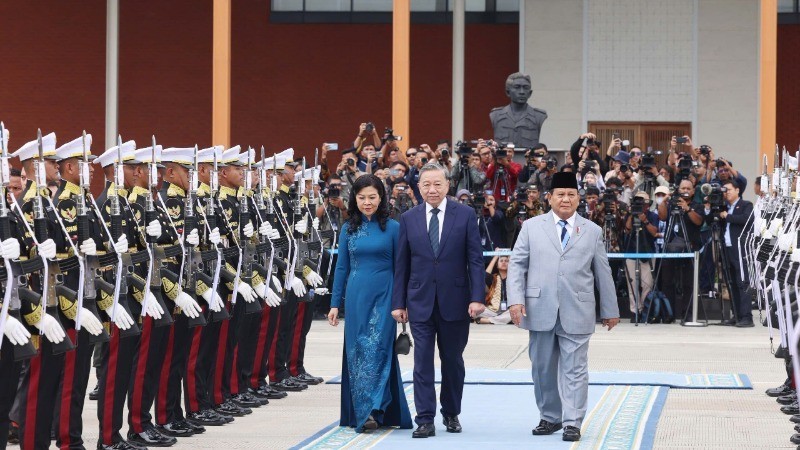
point(191, 367)
point(220, 368)
point(111, 377)
point(235, 372)
point(138, 384)
point(274, 348)
point(298, 333)
point(34, 373)
point(66, 391)
point(161, 403)
point(262, 340)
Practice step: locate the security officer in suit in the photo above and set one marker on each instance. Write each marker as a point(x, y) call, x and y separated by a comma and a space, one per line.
point(735, 217)
point(518, 122)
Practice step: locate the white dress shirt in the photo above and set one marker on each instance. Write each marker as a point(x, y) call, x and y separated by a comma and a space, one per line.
point(429, 214)
point(570, 225)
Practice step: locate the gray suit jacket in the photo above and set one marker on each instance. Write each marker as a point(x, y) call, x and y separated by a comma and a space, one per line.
point(552, 284)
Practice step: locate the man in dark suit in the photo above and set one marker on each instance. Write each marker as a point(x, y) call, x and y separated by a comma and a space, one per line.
point(438, 287)
point(735, 218)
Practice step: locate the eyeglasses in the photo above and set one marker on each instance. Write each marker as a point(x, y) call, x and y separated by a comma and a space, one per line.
point(636, 153)
point(410, 154)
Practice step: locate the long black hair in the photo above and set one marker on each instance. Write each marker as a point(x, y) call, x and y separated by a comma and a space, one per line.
point(381, 213)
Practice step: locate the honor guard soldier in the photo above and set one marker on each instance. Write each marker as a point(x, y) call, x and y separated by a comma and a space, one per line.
point(204, 341)
point(84, 240)
point(117, 358)
point(161, 289)
point(178, 192)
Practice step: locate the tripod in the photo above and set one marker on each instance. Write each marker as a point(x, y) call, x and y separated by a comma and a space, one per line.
point(635, 284)
point(501, 181)
point(463, 173)
point(484, 228)
point(720, 258)
point(676, 219)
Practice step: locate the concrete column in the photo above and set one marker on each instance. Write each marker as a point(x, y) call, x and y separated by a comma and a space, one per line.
point(401, 70)
point(768, 37)
point(112, 72)
point(221, 74)
point(459, 10)
point(522, 36)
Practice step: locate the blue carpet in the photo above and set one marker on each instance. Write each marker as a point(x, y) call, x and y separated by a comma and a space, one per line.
point(502, 416)
point(672, 380)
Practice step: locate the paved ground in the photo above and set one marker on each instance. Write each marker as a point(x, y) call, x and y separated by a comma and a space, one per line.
point(691, 418)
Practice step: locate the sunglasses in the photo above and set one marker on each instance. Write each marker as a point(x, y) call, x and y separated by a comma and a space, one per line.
point(636, 153)
point(410, 154)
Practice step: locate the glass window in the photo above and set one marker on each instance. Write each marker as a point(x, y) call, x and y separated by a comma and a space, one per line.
point(507, 5)
point(786, 6)
point(372, 5)
point(472, 5)
point(327, 5)
point(287, 5)
point(423, 5)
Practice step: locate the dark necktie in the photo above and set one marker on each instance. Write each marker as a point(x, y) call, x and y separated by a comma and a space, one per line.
point(433, 230)
point(564, 235)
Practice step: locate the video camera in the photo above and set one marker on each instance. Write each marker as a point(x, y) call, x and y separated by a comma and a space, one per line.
point(673, 201)
point(638, 206)
point(714, 195)
point(685, 165)
point(551, 163)
point(390, 136)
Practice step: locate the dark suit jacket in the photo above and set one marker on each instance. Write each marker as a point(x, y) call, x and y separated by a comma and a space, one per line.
point(454, 277)
point(737, 219)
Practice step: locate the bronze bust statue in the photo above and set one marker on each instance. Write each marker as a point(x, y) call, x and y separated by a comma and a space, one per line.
point(518, 122)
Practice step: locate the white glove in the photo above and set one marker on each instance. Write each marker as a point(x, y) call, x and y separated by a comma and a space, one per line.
point(153, 229)
point(261, 290)
point(213, 237)
point(121, 319)
point(247, 292)
point(88, 247)
point(188, 305)
point(795, 256)
point(121, 246)
point(51, 329)
point(213, 299)
point(298, 287)
point(301, 226)
point(313, 279)
point(320, 291)
point(193, 238)
point(277, 284)
point(154, 310)
point(273, 234)
point(264, 229)
point(775, 226)
point(315, 223)
point(785, 240)
point(248, 230)
point(47, 249)
point(271, 298)
point(90, 322)
point(9, 249)
point(16, 332)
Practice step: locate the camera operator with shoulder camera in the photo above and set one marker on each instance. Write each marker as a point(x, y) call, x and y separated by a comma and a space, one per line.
point(492, 226)
point(466, 173)
point(684, 218)
point(725, 204)
point(586, 148)
point(389, 152)
point(725, 172)
point(641, 229)
point(401, 199)
point(533, 159)
point(502, 174)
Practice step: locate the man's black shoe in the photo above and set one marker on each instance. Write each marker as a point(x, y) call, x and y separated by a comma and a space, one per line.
point(259, 397)
point(196, 429)
point(243, 400)
point(206, 418)
point(745, 323)
point(795, 439)
point(571, 434)
point(121, 445)
point(425, 430)
point(271, 393)
point(781, 352)
point(95, 392)
point(784, 389)
point(309, 379)
point(546, 427)
point(787, 399)
point(299, 381)
point(452, 423)
point(228, 408)
point(795, 418)
point(790, 409)
point(288, 385)
point(728, 322)
point(151, 438)
point(176, 429)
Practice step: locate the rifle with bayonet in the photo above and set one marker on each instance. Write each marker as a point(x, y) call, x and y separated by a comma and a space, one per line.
point(309, 250)
point(193, 260)
point(157, 254)
point(249, 255)
point(211, 224)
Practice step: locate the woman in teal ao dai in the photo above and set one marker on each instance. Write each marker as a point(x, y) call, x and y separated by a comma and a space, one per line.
point(372, 388)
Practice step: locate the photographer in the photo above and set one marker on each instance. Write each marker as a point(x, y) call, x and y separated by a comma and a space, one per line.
point(494, 219)
point(366, 131)
point(620, 159)
point(648, 177)
point(412, 178)
point(401, 199)
point(734, 211)
point(586, 148)
point(589, 169)
point(390, 152)
point(397, 172)
point(626, 177)
point(646, 222)
point(486, 153)
point(526, 204)
point(609, 214)
point(533, 159)
point(368, 159)
point(726, 172)
point(544, 177)
point(466, 173)
point(332, 213)
point(347, 170)
point(503, 174)
point(679, 208)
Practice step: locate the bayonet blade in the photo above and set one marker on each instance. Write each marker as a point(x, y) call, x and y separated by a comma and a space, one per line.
point(3, 139)
point(41, 146)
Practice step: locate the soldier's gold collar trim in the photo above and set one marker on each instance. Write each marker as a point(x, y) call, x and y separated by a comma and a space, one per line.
point(122, 191)
point(70, 189)
point(284, 188)
point(136, 192)
point(225, 191)
point(175, 191)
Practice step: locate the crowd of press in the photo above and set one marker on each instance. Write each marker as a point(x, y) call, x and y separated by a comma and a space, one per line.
point(690, 201)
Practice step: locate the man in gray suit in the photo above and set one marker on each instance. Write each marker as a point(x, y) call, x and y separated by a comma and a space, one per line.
point(557, 261)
